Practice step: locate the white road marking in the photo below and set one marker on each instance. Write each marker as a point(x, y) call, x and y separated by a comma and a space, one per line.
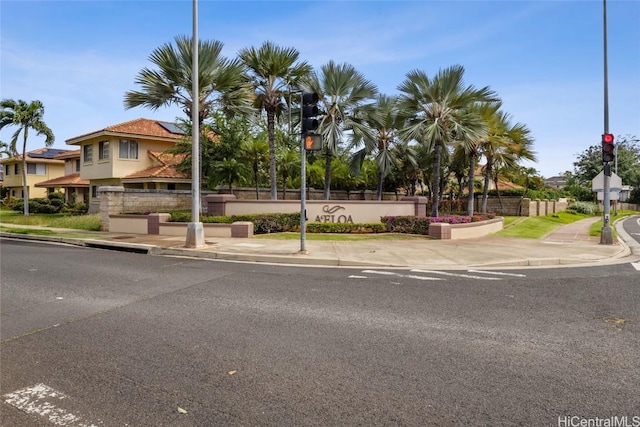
point(497, 273)
point(249, 245)
point(353, 276)
point(43, 401)
point(636, 265)
point(409, 276)
point(466, 276)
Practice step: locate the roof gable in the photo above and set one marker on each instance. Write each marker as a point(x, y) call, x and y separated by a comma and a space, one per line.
point(137, 127)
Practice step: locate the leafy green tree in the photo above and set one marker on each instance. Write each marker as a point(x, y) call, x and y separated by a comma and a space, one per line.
point(342, 91)
point(440, 111)
point(274, 70)
point(227, 171)
point(24, 116)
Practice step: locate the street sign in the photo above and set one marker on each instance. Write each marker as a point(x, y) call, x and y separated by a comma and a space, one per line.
point(615, 183)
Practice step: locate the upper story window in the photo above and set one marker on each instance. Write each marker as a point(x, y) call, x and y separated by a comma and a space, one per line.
point(128, 149)
point(36, 169)
point(8, 169)
point(77, 165)
point(87, 153)
point(16, 169)
point(103, 150)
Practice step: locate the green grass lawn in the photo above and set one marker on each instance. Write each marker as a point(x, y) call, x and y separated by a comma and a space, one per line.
point(536, 227)
point(75, 222)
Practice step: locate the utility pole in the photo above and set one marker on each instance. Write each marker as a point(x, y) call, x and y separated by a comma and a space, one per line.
point(195, 230)
point(606, 236)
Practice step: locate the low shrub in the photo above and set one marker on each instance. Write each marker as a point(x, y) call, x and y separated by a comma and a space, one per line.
point(420, 224)
point(586, 208)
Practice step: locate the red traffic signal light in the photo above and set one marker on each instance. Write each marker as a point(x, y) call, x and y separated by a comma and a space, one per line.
point(608, 149)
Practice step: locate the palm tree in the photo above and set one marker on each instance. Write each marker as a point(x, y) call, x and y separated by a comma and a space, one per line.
point(486, 111)
point(342, 91)
point(255, 152)
point(5, 150)
point(289, 165)
point(227, 171)
point(384, 121)
point(222, 83)
point(504, 146)
point(274, 71)
point(24, 116)
point(440, 113)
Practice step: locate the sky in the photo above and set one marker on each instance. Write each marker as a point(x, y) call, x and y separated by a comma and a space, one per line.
point(544, 59)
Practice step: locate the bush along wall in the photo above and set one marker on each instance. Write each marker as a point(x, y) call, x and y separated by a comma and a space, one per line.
point(420, 224)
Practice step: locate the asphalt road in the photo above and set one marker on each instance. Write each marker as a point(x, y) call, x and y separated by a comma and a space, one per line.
point(94, 337)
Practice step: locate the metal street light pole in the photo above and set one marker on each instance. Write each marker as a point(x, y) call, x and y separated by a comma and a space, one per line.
point(606, 235)
point(195, 230)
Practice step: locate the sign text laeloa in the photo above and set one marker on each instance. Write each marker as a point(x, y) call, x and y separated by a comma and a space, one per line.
point(334, 214)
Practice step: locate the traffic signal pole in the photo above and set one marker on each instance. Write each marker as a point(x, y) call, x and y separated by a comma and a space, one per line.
point(606, 235)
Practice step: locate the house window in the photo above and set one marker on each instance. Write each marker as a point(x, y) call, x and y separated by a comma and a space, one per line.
point(36, 169)
point(103, 150)
point(171, 186)
point(94, 191)
point(87, 151)
point(8, 168)
point(77, 165)
point(16, 169)
point(128, 149)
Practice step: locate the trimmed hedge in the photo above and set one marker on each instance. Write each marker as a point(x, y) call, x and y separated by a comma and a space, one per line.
point(420, 224)
point(262, 223)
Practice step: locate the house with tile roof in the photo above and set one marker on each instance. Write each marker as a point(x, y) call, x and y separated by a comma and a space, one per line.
point(131, 155)
point(42, 165)
point(74, 188)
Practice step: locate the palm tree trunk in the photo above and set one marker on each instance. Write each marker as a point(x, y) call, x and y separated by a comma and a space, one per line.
point(327, 175)
point(25, 189)
point(271, 129)
point(472, 172)
point(255, 180)
point(485, 190)
point(380, 186)
point(435, 193)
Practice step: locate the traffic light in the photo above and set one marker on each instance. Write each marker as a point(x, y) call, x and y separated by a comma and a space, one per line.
point(312, 142)
point(309, 112)
point(608, 149)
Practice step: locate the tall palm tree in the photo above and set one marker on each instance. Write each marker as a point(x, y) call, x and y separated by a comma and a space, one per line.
point(505, 145)
point(274, 70)
point(342, 91)
point(384, 121)
point(24, 116)
point(222, 83)
point(440, 113)
point(486, 111)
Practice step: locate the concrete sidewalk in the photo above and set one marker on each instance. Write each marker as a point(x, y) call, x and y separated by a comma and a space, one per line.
point(567, 245)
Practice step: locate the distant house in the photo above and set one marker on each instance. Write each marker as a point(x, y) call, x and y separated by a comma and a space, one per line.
point(75, 189)
point(556, 182)
point(131, 154)
point(42, 165)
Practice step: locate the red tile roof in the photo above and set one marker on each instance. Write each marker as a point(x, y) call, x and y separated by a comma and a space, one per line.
point(139, 127)
point(72, 180)
point(165, 169)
